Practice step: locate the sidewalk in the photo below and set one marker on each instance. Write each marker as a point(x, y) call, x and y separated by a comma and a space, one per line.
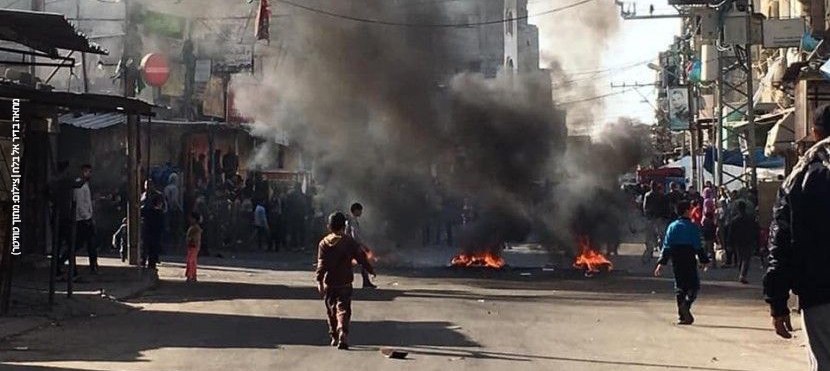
point(93, 295)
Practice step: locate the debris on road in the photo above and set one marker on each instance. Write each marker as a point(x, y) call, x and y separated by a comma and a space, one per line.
point(393, 353)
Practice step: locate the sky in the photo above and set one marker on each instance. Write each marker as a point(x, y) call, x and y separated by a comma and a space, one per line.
point(623, 43)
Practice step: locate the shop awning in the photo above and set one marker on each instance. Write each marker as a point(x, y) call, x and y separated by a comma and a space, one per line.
point(782, 135)
point(45, 32)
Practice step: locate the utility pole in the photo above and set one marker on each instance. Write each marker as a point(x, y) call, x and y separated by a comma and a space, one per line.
point(735, 92)
point(685, 51)
point(129, 60)
point(37, 6)
point(83, 55)
point(735, 89)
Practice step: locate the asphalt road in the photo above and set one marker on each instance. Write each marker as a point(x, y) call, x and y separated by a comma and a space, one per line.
point(240, 318)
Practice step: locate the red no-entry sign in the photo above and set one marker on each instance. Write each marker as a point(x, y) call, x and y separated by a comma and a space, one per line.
point(155, 69)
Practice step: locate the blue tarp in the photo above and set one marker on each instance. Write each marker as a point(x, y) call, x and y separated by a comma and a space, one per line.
point(737, 159)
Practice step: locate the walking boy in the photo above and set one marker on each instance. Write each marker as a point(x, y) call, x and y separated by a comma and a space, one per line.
point(681, 244)
point(194, 242)
point(353, 230)
point(334, 276)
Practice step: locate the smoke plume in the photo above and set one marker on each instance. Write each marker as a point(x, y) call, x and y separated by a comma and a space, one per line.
point(389, 122)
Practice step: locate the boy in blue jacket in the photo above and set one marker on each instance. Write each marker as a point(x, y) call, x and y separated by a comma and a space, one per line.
point(682, 245)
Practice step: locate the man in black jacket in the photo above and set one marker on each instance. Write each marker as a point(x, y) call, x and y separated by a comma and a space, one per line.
point(799, 246)
point(657, 211)
point(742, 234)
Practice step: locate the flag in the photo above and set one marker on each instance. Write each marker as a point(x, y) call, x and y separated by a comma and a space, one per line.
point(263, 21)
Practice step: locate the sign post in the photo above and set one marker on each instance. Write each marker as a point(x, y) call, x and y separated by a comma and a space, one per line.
point(155, 69)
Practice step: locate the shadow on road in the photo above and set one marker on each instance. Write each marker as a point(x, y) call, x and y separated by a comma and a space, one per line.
point(182, 292)
point(7, 367)
point(151, 330)
point(463, 353)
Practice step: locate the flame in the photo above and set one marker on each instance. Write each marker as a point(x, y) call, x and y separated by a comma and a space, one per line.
point(371, 256)
point(487, 259)
point(589, 259)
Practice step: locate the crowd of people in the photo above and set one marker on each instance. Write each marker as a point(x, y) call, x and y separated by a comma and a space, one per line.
point(236, 214)
point(727, 219)
point(796, 249)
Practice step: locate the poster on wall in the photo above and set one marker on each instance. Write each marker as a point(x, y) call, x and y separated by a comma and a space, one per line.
point(678, 109)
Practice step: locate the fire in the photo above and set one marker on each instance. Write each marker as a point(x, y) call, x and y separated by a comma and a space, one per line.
point(371, 256)
point(589, 259)
point(487, 259)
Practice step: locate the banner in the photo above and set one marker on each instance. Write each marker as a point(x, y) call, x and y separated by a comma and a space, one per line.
point(164, 24)
point(213, 103)
point(678, 109)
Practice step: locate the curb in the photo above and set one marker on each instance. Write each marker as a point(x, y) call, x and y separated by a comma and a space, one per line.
point(147, 282)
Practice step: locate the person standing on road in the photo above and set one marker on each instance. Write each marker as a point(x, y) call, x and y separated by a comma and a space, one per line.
point(681, 245)
point(353, 230)
point(119, 240)
point(194, 242)
point(697, 212)
point(61, 193)
point(656, 210)
point(173, 199)
point(742, 234)
point(675, 195)
point(798, 242)
point(709, 224)
point(334, 276)
point(693, 195)
point(84, 226)
point(153, 229)
point(261, 225)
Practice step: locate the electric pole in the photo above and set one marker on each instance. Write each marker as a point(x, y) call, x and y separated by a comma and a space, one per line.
point(129, 60)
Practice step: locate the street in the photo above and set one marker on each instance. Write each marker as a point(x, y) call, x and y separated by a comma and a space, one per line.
point(521, 318)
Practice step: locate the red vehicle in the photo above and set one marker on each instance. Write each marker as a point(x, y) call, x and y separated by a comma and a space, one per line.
point(664, 176)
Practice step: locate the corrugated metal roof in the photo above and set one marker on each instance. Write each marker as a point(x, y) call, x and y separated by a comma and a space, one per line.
point(93, 120)
point(105, 120)
point(46, 32)
point(83, 102)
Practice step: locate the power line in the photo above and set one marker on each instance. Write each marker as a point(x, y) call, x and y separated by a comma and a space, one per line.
point(594, 97)
point(597, 75)
point(429, 25)
point(617, 68)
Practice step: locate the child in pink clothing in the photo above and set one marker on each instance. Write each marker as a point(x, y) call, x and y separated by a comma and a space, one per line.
point(194, 242)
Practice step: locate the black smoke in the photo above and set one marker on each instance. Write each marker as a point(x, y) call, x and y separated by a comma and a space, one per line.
point(391, 120)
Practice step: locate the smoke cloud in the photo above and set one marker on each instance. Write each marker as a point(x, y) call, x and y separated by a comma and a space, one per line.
point(388, 122)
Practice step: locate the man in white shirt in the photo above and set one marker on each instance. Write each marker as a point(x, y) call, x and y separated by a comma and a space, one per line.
point(353, 230)
point(84, 225)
